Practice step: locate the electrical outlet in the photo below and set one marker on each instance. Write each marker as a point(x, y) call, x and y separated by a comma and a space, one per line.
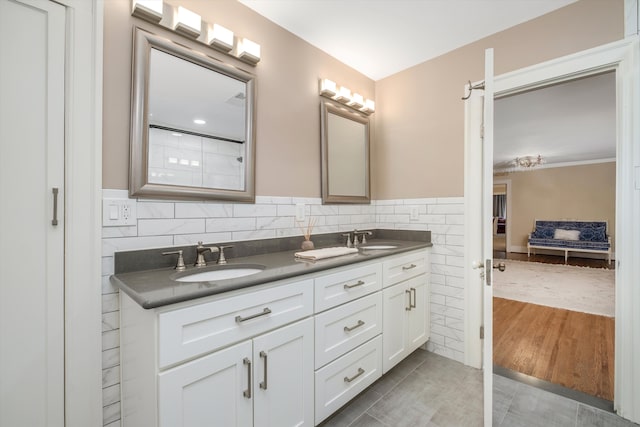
point(413, 213)
point(300, 211)
point(118, 212)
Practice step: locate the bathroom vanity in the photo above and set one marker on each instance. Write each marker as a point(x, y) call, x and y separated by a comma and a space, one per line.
point(287, 346)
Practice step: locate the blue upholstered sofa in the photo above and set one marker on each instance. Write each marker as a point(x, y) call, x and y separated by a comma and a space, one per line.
point(573, 236)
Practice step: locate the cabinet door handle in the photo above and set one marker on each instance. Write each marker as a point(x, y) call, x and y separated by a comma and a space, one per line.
point(407, 291)
point(409, 267)
point(54, 221)
point(263, 384)
point(360, 372)
point(413, 292)
point(247, 392)
point(240, 319)
point(349, 329)
point(359, 283)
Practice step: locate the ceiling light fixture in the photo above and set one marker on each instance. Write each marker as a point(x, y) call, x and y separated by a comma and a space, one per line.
point(528, 162)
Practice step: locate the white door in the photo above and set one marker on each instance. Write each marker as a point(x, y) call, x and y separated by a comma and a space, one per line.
point(216, 389)
point(419, 318)
point(283, 382)
point(478, 228)
point(32, 52)
point(395, 304)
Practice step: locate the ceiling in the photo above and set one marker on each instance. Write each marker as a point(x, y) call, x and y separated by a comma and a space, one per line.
point(565, 123)
point(382, 37)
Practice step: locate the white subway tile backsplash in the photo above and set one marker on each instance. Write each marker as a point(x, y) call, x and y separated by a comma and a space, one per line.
point(163, 227)
point(218, 225)
point(204, 210)
point(193, 239)
point(164, 223)
point(111, 245)
point(252, 211)
point(155, 210)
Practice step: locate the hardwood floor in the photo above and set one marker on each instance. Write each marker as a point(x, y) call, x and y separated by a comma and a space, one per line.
point(565, 347)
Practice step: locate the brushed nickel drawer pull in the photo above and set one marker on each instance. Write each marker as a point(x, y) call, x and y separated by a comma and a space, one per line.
point(405, 268)
point(349, 329)
point(413, 292)
point(359, 283)
point(407, 291)
point(240, 319)
point(263, 384)
point(360, 372)
point(54, 221)
point(247, 392)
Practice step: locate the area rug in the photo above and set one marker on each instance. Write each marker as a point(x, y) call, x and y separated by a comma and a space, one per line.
point(584, 289)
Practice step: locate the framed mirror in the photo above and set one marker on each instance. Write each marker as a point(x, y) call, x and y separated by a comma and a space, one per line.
point(192, 124)
point(345, 154)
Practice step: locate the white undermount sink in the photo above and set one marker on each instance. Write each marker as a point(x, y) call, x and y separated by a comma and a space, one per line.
point(379, 247)
point(220, 274)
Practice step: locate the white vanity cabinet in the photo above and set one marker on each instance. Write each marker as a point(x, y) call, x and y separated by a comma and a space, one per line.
point(287, 353)
point(406, 315)
point(240, 360)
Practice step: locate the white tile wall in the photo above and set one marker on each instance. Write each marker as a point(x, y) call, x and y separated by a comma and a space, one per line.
point(166, 223)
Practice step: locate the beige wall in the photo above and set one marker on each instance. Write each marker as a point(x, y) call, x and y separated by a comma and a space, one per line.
point(288, 110)
point(417, 131)
point(578, 192)
point(418, 151)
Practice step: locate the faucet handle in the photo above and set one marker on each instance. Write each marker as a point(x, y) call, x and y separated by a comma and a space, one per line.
point(348, 236)
point(180, 263)
point(221, 258)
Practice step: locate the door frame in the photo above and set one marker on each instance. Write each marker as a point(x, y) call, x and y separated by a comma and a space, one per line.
point(507, 230)
point(82, 206)
point(623, 57)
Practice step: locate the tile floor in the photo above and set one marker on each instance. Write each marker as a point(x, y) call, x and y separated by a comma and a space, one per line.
point(432, 391)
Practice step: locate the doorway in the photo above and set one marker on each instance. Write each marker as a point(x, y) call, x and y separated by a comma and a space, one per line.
point(569, 131)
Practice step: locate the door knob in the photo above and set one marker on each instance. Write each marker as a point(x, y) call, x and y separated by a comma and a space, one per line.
point(500, 266)
point(477, 264)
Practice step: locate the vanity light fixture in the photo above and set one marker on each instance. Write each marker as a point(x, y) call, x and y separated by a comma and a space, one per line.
point(248, 50)
point(188, 23)
point(199, 121)
point(328, 88)
point(369, 107)
point(343, 95)
point(220, 38)
point(150, 10)
point(357, 101)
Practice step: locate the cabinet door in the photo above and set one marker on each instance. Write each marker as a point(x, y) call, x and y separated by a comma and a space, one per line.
point(211, 390)
point(283, 384)
point(418, 323)
point(395, 306)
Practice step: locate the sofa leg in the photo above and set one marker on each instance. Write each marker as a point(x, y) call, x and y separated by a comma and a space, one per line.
point(566, 256)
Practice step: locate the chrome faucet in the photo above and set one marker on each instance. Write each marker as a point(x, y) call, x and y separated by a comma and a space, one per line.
point(348, 236)
point(180, 263)
point(200, 250)
point(364, 235)
point(221, 258)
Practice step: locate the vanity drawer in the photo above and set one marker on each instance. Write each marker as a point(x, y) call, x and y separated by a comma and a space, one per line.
point(342, 380)
point(192, 331)
point(343, 328)
point(404, 267)
point(344, 286)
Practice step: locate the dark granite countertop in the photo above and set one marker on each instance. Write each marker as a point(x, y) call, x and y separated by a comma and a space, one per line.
point(157, 287)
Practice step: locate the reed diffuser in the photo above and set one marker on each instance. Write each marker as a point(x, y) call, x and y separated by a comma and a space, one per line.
point(307, 244)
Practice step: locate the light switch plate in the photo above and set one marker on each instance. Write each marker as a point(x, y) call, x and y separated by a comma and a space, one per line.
point(118, 212)
point(413, 213)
